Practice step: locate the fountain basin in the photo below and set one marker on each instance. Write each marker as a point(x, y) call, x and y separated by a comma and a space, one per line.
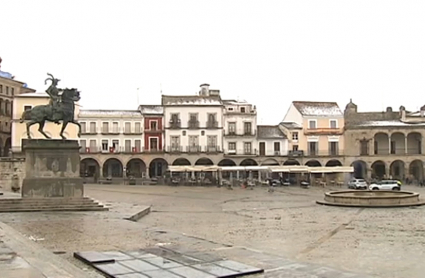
point(371, 199)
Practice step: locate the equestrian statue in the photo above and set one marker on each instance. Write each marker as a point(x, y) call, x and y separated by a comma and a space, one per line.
point(61, 107)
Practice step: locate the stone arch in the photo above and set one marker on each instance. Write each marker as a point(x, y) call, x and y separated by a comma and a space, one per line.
point(226, 162)
point(157, 167)
point(270, 162)
point(113, 167)
point(291, 162)
point(416, 170)
point(248, 162)
point(379, 169)
point(313, 163)
point(360, 169)
point(414, 143)
point(135, 167)
point(397, 170)
point(89, 167)
point(398, 143)
point(181, 162)
point(204, 162)
point(333, 163)
point(381, 143)
point(7, 146)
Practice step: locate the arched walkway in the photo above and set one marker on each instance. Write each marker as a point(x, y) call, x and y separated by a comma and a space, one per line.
point(333, 163)
point(204, 162)
point(414, 143)
point(7, 146)
point(248, 162)
point(157, 167)
point(416, 170)
point(397, 170)
point(398, 143)
point(360, 169)
point(378, 169)
point(112, 168)
point(291, 162)
point(181, 162)
point(313, 163)
point(136, 168)
point(89, 167)
point(1, 148)
point(226, 162)
point(381, 143)
point(270, 162)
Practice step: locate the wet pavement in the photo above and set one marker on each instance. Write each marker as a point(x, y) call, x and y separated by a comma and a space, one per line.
point(284, 232)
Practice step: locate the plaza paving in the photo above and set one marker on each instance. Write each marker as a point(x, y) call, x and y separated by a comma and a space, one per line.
point(284, 232)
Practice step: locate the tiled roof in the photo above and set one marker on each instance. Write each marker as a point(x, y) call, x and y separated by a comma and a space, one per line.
point(388, 123)
point(151, 109)
point(313, 108)
point(191, 100)
point(291, 125)
point(108, 113)
point(270, 132)
point(234, 102)
point(33, 94)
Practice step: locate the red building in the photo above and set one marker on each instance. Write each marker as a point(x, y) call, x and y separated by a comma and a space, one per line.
point(153, 127)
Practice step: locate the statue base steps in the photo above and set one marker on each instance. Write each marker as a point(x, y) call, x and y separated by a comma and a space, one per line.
point(50, 204)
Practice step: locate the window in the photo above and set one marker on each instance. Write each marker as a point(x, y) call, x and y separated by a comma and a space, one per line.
point(312, 124)
point(247, 128)
point(83, 127)
point(230, 108)
point(105, 127)
point(242, 109)
point(93, 145)
point(137, 127)
point(127, 128)
point(27, 107)
point(127, 146)
point(375, 146)
point(1, 89)
point(116, 145)
point(193, 117)
point(105, 145)
point(277, 146)
point(232, 146)
point(333, 123)
point(294, 148)
point(202, 132)
point(83, 145)
point(92, 127)
point(184, 132)
point(312, 148)
point(138, 145)
point(193, 140)
point(392, 147)
point(295, 136)
point(333, 148)
point(153, 125)
point(174, 118)
point(211, 140)
point(232, 128)
point(153, 143)
point(262, 147)
point(7, 90)
point(247, 147)
point(364, 148)
point(212, 120)
point(115, 127)
point(175, 143)
point(12, 91)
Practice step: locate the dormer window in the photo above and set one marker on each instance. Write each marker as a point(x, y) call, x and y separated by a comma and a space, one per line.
point(242, 109)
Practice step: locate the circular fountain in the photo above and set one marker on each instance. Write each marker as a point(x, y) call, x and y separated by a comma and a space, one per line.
point(371, 199)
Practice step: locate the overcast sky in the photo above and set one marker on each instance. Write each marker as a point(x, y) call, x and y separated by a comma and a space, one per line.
point(266, 52)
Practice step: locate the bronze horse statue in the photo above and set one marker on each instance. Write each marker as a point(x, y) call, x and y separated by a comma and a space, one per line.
point(55, 111)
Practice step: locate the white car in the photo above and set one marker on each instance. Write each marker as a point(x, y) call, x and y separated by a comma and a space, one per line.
point(385, 185)
point(357, 184)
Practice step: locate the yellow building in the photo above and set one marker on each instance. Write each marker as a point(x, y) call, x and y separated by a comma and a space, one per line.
point(315, 130)
point(27, 101)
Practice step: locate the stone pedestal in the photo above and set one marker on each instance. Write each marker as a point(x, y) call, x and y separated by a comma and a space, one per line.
point(52, 169)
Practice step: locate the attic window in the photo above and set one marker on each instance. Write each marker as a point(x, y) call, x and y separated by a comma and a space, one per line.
point(230, 108)
point(242, 109)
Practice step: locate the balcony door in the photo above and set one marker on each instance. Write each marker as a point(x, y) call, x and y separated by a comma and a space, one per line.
point(153, 143)
point(262, 148)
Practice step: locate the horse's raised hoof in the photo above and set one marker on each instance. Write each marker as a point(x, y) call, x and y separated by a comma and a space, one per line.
point(63, 137)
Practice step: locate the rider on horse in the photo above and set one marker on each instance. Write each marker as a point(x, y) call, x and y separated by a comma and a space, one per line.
point(55, 100)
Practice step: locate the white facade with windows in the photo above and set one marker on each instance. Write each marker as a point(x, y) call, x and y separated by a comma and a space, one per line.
point(111, 131)
point(240, 128)
point(271, 141)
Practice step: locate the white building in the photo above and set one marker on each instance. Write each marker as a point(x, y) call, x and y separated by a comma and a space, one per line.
point(194, 123)
point(271, 141)
point(240, 128)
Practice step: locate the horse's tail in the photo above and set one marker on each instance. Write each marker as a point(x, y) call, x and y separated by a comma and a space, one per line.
point(24, 114)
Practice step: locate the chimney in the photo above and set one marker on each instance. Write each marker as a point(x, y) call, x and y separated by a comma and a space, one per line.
point(205, 89)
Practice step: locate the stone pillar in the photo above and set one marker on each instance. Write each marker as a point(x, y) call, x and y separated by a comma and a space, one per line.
point(389, 144)
point(52, 169)
point(405, 144)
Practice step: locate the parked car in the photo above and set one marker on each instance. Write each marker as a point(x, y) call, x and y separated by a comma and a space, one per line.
point(357, 184)
point(385, 185)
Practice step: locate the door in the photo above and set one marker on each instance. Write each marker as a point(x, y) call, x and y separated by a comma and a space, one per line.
point(262, 148)
point(153, 143)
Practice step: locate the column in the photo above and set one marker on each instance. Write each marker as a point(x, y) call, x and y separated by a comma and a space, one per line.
point(147, 173)
point(389, 143)
point(405, 144)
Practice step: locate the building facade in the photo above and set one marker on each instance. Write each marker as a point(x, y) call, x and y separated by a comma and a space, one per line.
point(272, 145)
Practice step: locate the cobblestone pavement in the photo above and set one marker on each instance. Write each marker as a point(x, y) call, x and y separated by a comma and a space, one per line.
point(284, 232)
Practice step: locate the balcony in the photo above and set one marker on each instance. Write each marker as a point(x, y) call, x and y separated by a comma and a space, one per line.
point(111, 132)
point(193, 124)
point(241, 133)
point(132, 132)
point(175, 124)
point(212, 124)
point(272, 153)
point(193, 149)
point(323, 131)
point(174, 149)
point(88, 132)
point(152, 150)
point(301, 153)
point(240, 152)
point(212, 149)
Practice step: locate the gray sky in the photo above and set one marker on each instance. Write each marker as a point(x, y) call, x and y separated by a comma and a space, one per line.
point(267, 52)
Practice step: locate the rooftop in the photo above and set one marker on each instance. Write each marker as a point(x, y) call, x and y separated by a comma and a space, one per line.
point(291, 125)
point(234, 102)
point(313, 108)
point(387, 123)
point(108, 113)
point(151, 109)
point(270, 132)
point(191, 100)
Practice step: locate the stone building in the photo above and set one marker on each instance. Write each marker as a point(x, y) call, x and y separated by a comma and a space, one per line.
point(385, 144)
